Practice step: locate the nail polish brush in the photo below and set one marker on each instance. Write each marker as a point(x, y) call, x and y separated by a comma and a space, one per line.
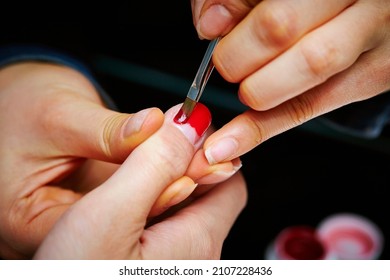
point(197, 87)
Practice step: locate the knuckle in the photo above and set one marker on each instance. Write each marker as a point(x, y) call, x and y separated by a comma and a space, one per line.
point(108, 133)
point(170, 162)
point(320, 59)
point(173, 156)
point(300, 110)
point(223, 63)
point(280, 25)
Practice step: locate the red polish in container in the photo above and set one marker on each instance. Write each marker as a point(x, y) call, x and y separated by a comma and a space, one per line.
point(342, 236)
point(297, 243)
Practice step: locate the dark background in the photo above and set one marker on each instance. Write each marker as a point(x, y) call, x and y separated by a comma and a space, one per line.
point(299, 177)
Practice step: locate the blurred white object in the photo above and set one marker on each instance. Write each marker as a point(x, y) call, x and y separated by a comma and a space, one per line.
point(351, 237)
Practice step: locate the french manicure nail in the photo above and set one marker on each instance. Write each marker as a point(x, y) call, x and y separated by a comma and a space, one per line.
point(221, 150)
point(218, 176)
point(196, 125)
point(215, 177)
point(237, 164)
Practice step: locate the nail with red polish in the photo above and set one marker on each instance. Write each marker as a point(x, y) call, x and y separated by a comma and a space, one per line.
point(194, 126)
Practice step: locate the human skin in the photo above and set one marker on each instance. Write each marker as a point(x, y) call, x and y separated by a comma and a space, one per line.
point(294, 60)
point(118, 226)
point(59, 143)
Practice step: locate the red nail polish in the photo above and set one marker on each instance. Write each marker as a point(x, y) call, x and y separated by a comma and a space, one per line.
point(297, 243)
point(200, 119)
point(181, 117)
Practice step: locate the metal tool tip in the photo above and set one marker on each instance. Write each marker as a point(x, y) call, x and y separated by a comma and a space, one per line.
point(185, 111)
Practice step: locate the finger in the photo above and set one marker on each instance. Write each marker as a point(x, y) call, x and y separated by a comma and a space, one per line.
point(163, 158)
point(67, 117)
point(252, 128)
point(198, 230)
point(86, 129)
point(212, 19)
point(268, 30)
point(204, 173)
point(199, 171)
point(127, 197)
point(173, 194)
point(328, 50)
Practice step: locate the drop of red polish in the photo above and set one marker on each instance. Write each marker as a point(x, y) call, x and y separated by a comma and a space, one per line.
point(200, 119)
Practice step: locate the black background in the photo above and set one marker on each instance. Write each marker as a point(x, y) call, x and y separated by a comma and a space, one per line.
point(298, 177)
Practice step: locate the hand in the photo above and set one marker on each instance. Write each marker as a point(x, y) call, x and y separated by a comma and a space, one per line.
point(111, 222)
point(58, 143)
point(294, 60)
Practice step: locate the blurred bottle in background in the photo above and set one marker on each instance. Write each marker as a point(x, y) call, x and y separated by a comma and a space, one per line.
point(342, 236)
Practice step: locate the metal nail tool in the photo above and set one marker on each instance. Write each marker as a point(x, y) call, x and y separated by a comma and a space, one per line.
point(199, 83)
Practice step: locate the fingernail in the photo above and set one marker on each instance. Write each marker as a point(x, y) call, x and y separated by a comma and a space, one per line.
point(213, 21)
point(221, 150)
point(237, 164)
point(180, 196)
point(196, 125)
point(218, 176)
point(134, 123)
point(173, 195)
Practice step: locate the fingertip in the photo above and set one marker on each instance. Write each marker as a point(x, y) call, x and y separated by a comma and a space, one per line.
point(139, 126)
point(145, 121)
point(173, 194)
point(204, 173)
point(221, 150)
point(213, 22)
point(122, 134)
point(220, 172)
point(153, 121)
point(195, 127)
point(237, 164)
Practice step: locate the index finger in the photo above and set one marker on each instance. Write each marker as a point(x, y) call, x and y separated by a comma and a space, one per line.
point(251, 128)
point(267, 31)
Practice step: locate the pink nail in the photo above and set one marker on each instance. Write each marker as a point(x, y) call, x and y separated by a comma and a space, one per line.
point(223, 149)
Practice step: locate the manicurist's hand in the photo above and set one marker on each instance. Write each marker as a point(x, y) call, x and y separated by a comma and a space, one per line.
point(294, 60)
point(59, 142)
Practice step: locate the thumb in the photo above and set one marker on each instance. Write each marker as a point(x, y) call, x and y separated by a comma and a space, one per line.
point(87, 129)
point(158, 162)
